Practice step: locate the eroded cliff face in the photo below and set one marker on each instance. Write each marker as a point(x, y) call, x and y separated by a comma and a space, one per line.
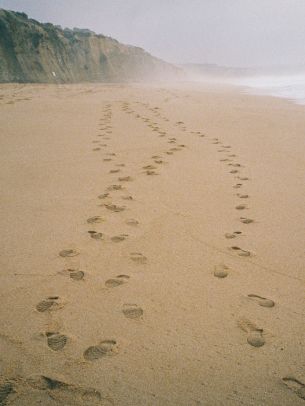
point(34, 52)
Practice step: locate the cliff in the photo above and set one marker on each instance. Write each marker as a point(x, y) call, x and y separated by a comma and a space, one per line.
point(43, 53)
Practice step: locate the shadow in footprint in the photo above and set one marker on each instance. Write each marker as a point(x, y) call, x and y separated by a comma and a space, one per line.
point(295, 385)
point(6, 389)
point(66, 394)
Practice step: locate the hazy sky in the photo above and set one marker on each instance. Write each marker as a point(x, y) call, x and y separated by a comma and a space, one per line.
point(226, 32)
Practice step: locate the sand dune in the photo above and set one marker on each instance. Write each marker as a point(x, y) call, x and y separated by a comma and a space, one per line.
point(152, 246)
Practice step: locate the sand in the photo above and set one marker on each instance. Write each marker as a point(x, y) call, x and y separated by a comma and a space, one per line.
point(152, 246)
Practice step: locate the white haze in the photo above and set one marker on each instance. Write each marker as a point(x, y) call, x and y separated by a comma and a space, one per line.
point(290, 87)
point(225, 32)
point(231, 33)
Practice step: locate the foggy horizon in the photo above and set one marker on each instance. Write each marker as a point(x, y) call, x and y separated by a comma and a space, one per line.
point(243, 33)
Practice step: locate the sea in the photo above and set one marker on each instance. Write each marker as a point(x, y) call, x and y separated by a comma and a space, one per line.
point(290, 87)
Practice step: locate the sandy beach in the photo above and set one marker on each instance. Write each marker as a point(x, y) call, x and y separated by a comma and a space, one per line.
point(152, 246)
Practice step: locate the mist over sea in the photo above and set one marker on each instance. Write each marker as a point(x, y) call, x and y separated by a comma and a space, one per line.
point(289, 86)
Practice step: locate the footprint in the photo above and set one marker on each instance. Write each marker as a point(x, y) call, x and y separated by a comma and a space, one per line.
point(240, 207)
point(129, 197)
point(119, 238)
point(125, 179)
point(237, 186)
point(96, 149)
point(104, 348)
point(73, 274)
point(114, 187)
point(229, 235)
point(232, 235)
point(95, 235)
point(234, 171)
point(132, 311)
point(6, 389)
point(243, 196)
point(246, 220)
point(117, 281)
point(56, 341)
point(138, 258)
point(132, 222)
point(255, 337)
point(114, 207)
point(64, 393)
point(68, 253)
point(149, 167)
point(103, 196)
point(114, 170)
point(221, 271)
point(47, 304)
point(76, 275)
point(94, 220)
point(150, 173)
point(295, 385)
point(241, 252)
point(262, 301)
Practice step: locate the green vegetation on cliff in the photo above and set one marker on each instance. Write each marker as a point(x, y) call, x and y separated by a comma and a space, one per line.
point(43, 53)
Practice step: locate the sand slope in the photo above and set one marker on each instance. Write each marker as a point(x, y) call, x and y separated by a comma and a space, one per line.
point(152, 246)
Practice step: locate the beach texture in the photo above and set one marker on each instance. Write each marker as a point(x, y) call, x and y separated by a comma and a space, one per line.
point(152, 246)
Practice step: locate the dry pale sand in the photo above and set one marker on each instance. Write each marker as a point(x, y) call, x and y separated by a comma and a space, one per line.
point(131, 273)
